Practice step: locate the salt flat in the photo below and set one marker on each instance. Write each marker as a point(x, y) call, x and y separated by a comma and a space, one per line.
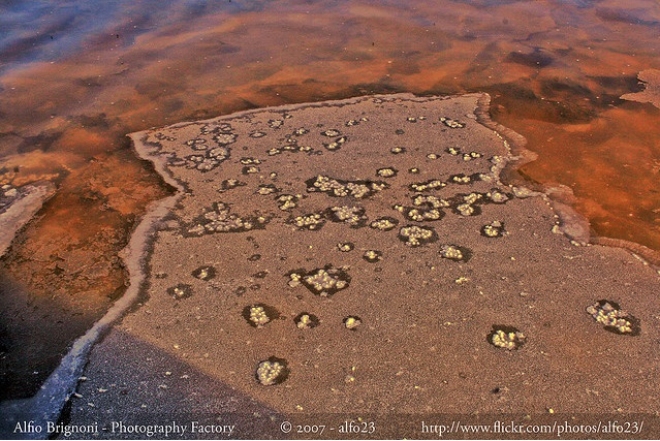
point(362, 257)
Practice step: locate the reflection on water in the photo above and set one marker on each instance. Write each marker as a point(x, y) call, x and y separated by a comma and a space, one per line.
point(85, 73)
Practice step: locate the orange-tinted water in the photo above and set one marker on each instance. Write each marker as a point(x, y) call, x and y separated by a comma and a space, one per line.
point(86, 73)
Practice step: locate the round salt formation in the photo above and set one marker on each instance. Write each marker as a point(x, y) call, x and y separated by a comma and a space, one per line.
point(290, 146)
point(414, 236)
point(272, 371)
point(330, 133)
point(351, 215)
point(610, 315)
point(428, 208)
point(295, 279)
point(384, 223)
point(352, 322)
point(205, 273)
point(288, 201)
point(355, 122)
point(225, 138)
point(306, 321)
point(345, 247)
point(420, 215)
point(250, 161)
point(451, 123)
point(341, 188)
point(313, 221)
point(180, 291)
point(259, 315)
point(493, 229)
point(465, 209)
point(372, 256)
point(250, 170)
point(456, 253)
point(218, 219)
point(266, 189)
point(470, 156)
point(433, 184)
point(336, 144)
point(275, 123)
point(205, 162)
point(197, 144)
point(467, 204)
point(326, 281)
point(497, 196)
point(387, 172)
point(472, 198)
point(229, 184)
point(506, 337)
point(429, 200)
point(460, 179)
point(205, 159)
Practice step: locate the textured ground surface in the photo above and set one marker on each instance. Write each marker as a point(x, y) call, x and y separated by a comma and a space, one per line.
point(315, 210)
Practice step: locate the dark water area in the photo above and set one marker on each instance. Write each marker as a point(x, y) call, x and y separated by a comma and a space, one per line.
point(76, 76)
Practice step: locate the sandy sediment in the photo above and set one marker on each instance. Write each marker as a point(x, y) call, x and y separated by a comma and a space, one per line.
point(362, 258)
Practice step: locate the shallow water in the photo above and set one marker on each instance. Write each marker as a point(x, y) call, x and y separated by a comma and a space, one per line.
point(84, 74)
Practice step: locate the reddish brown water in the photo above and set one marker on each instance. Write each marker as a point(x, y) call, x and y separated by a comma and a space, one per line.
point(84, 75)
